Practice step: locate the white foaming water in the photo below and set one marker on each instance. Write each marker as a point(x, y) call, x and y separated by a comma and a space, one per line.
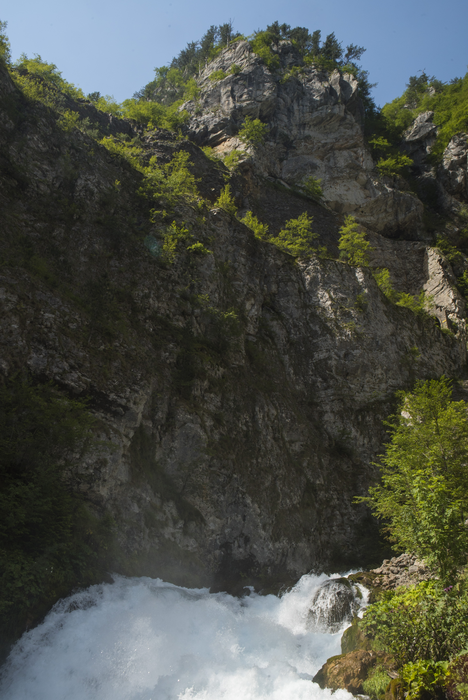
point(143, 639)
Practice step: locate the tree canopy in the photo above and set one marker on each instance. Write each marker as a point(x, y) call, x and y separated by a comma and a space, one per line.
point(422, 495)
point(171, 82)
point(424, 93)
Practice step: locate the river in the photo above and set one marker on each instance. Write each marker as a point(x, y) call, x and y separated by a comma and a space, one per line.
point(144, 639)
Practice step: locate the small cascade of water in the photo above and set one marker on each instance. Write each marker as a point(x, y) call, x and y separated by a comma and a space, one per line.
point(335, 602)
point(143, 639)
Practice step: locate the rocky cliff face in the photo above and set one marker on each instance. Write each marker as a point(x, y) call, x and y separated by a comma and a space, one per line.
point(240, 394)
point(447, 183)
point(315, 128)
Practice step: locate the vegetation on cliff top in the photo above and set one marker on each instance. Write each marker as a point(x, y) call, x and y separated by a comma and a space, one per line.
point(423, 93)
point(176, 82)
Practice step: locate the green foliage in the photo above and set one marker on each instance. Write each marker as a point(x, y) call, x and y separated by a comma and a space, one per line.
point(168, 86)
point(380, 145)
point(253, 132)
point(167, 184)
point(122, 149)
point(448, 102)
point(424, 678)
point(450, 251)
point(217, 75)
point(420, 623)
point(376, 682)
point(171, 83)
point(462, 284)
point(170, 183)
point(261, 45)
point(68, 120)
point(418, 304)
point(226, 201)
point(260, 230)
point(43, 82)
point(361, 302)
point(172, 238)
point(211, 154)
point(353, 244)
point(394, 165)
point(5, 54)
point(191, 91)
point(293, 72)
point(199, 249)
point(297, 237)
point(153, 114)
point(48, 541)
point(312, 187)
point(107, 104)
point(423, 495)
point(456, 685)
point(176, 81)
point(382, 277)
point(233, 158)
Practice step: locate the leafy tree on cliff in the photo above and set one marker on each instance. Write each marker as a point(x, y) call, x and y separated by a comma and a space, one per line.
point(423, 93)
point(297, 237)
point(423, 493)
point(353, 244)
point(253, 132)
point(5, 55)
point(188, 63)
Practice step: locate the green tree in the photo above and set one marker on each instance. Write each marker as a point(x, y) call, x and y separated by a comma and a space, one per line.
point(261, 45)
point(331, 48)
point(423, 494)
point(251, 221)
point(422, 622)
point(313, 188)
point(353, 244)
point(5, 55)
point(39, 72)
point(394, 164)
point(297, 237)
point(253, 132)
point(226, 201)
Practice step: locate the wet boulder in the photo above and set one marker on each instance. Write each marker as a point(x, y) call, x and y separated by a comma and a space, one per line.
point(346, 671)
point(334, 603)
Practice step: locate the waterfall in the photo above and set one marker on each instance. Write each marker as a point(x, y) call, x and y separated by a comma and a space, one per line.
point(144, 639)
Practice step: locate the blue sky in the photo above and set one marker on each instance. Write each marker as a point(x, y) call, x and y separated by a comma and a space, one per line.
point(113, 46)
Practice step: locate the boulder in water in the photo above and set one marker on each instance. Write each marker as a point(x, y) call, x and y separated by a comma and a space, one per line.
point(334, 603)
point(346, 671)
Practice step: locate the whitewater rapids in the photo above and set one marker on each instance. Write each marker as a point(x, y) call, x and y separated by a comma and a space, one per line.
point(143, 639)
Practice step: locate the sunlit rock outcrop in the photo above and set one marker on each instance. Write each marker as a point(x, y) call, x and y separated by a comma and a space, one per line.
point(315, 128)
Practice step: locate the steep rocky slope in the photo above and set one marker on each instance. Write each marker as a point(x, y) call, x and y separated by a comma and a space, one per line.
point(240, 393)
point(315, 128)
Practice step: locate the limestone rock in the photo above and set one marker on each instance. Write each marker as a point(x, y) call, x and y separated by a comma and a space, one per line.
point(226, 453)
point(447, 303)
point(315, 128)
point(453, 170)
point(419, 139)
point(405, 570)
point(347, 671)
